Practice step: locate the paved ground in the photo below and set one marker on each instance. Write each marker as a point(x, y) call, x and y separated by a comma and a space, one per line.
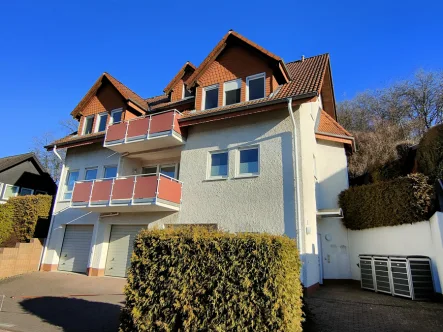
point(347, 308)
point(48, 302)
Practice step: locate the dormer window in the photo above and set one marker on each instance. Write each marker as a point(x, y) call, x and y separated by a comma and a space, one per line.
point(87, 125)
point(210, 97)
point(116, 116)
point(100, 122)
point(255, 86)
point(232, 91)
point(186, 93)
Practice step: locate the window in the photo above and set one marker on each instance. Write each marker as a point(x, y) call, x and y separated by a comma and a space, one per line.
point(110, 172)
point(210, 97)
point(26, 192)
point(218, 165)
point(116, 116)
point(255, 86)
point(71, 177)
point(40, 192)
point(87, 125)
point(232, 91)
point(186, 92)
point(248, 162)
point(149, 170)
point(91, 173)
point(10, 191)
point(100, 124)
point(169, 170)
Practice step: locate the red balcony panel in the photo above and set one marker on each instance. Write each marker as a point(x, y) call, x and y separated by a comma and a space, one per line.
point(176, 125)
point(123, 188)
point(161, 122)
point(145, 187)
point(169, 190)
point(116, 132)
point(101, 191)
point(82, 192)
point(138, 127)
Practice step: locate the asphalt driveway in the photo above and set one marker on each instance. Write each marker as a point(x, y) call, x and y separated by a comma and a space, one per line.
point(56, 301)
point(347, 308)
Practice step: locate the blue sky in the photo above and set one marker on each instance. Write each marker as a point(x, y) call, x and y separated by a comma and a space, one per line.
point(53, 51)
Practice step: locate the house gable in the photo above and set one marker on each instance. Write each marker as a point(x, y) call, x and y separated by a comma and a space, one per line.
point(176, 86)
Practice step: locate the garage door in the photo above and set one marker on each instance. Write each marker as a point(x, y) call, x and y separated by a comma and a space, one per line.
point(75, 249)
point(120, 248)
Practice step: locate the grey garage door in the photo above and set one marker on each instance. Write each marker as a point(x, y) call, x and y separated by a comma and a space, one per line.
point(120, 248)
point(75, 249)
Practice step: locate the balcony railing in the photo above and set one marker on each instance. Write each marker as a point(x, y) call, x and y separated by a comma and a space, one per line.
point(138, 193)
point(143, 133)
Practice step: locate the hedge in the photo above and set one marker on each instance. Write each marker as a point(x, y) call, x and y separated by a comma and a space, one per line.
point(5, 222)
point(430, 153)
point(399, 201)
point(197, 280)
point(23, 212)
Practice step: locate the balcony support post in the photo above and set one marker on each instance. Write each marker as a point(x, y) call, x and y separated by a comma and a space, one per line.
point(90, 195)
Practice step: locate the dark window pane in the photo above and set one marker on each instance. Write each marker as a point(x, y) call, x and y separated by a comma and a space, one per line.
point(88, 125)
point(257, 88)
point(249, 161)
point(188, 93)
point(110, 172)
point(91, 174)
point(211, 100)
point(232, 97)
point(102, 123)
point(117, 117)
point(219, 164)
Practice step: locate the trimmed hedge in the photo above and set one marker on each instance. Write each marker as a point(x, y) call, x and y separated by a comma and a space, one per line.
point(6, 228)
point(400, 201)
point(197, 280)
point(22, 213)
point(430, 153)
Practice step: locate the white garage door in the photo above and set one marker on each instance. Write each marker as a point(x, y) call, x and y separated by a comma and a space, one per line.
point(120, 249)
point(75, 249)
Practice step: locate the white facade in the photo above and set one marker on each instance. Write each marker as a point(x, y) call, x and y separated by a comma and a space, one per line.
point(263, 202)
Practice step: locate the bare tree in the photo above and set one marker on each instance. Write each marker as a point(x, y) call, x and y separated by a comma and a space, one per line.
point(70, 124)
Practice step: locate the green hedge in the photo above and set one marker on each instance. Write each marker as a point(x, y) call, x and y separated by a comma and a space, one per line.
point(399, 201)
point(22, 214)
point(196, 280)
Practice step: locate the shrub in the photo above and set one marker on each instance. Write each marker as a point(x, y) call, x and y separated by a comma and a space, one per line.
point(196, 280)
point(6, 228)
point(430, 153)
point(399, 201)
point(26, 211)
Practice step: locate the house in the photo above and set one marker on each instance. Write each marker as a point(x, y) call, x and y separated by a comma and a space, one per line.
point(22, 175)
point(244, 142)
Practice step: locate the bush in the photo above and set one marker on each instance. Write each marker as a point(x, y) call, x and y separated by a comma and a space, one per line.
point(430, 153)
point(6, 228)
point(399, 201)
point(196, 280)
point(23, 214)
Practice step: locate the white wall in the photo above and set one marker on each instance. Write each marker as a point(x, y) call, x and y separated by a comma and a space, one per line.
point(332, 173)
point(422, 238)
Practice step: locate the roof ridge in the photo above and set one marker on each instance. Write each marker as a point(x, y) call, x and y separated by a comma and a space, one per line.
point(18, 155)
point(107, 74)
point(311, 57)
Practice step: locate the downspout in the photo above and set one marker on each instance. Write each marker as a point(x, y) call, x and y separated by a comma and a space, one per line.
point(54, 149)
point(299, 224)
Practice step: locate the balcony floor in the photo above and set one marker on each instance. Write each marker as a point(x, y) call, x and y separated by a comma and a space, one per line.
point(126, 208)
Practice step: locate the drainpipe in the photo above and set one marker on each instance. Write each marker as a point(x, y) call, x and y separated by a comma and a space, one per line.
point(54, 149)
point(299, 224)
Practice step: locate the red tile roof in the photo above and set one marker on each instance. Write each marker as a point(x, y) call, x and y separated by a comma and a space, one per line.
point(328, 125)
point(180, 74)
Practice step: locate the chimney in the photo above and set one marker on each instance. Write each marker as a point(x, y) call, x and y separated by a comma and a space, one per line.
point(302, 58)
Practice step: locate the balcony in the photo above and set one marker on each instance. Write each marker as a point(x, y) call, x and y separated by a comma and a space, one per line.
point(151, 132)
point(139, 193)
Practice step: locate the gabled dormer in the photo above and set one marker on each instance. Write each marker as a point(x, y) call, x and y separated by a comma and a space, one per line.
point(177, 89)
point(236, 70)
point(107, 102)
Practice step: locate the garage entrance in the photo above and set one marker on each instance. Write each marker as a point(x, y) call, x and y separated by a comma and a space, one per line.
point(76, 246)
point(121, 243)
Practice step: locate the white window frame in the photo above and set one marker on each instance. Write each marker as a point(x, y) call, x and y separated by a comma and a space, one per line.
point(21, 188)
point(237, 162)
point(209, 164)
point(208, 88)
point(224, 90)
point(65, 185)
point(41, 192)
point(104, 171)
point(97, 121)
point(84, 124)
point(10, 185)
point(90, 169)
point(1, 189)
point(253, 77)
point(183, 92)
point(111, 120)
point(158, 166)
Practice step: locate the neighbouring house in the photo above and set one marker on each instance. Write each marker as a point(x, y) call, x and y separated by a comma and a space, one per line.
point(244, 142)
point(22, 175)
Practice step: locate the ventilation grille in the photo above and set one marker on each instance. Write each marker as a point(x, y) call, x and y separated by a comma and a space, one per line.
point(421, 279)
point(367, 277)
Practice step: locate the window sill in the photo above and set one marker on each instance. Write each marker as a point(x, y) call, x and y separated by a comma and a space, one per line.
point(245, 176)
point(215, 179)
